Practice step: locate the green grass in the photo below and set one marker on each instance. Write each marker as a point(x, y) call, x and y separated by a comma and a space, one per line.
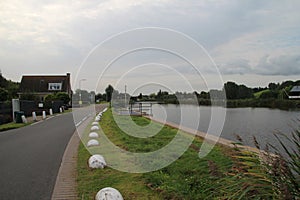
point(12, 125)
point(67, 111)
point(220, 175)
point(258, 94)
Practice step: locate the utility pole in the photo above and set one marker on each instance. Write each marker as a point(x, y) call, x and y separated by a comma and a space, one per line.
point(80, 100)
point(125, 96)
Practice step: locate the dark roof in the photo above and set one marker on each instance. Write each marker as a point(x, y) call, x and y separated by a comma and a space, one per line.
point(41, 83)
point(295, 89)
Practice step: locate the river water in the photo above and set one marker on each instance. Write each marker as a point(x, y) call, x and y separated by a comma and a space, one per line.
point(244, 122)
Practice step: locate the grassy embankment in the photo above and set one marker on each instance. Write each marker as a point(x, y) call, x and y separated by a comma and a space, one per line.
point(223, 174)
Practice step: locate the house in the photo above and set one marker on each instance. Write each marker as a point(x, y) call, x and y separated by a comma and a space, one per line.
point(43, 85)
point(295, 93)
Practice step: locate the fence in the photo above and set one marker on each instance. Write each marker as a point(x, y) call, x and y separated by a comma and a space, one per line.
point(35, 106)
point(6, 110)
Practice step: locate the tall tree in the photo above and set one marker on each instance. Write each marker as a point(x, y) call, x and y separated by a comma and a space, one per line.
point(272, 86)
point(231, 90)
point(3, 94)
point(244, 92)
point(63, 97)
point(109, 91)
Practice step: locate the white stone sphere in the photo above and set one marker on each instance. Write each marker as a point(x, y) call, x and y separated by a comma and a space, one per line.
point(94, 128)
point(93, 135)
point(92, 143)
point(95, 123)
point(109, 194)
point(97, 161)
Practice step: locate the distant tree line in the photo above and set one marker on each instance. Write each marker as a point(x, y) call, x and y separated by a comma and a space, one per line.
point(273, 96)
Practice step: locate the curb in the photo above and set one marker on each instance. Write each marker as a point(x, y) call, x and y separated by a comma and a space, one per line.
point(66, 184)
point(66, 181)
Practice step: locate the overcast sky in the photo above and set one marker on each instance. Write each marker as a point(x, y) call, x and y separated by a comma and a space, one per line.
point(252, 42)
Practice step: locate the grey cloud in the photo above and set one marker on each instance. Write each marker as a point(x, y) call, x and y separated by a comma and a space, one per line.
point(285, 65)
point(281, 65)
point(81, 25)
point(238, 66)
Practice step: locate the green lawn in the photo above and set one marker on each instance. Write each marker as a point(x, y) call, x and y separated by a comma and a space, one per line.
point(258, 94)
point(220, 175)
point(12, 125)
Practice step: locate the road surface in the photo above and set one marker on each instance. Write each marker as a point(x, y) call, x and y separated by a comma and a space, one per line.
point(30, 157)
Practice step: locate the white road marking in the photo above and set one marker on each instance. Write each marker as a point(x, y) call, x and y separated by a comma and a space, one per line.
point(81, 121)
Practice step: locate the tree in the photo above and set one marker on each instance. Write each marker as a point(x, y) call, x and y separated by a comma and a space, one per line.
point(244, 92)
point(3, 94)
point(99, 97)
point(13, 89)
point(109, 91)
point(231, 90)
point(3, 81)
point(234, 91)
point(269, 95)
point(152, 96)
point(62, 96)
point(285, 84)
point(272, 86)
point(140, 96)
point(204, 95)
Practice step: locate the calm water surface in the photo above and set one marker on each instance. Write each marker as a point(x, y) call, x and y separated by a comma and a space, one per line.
point(245, 122)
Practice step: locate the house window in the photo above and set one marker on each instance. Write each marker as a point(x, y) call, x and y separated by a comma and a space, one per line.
point(55, 86)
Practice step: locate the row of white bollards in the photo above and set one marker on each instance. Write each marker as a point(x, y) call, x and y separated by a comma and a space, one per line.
point(44, 116)
point(98, 162)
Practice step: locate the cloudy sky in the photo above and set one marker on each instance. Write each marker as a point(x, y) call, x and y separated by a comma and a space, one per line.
point(251, 42)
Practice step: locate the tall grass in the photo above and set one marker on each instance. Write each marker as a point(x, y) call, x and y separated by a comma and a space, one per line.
point(285, 168)
point(269, 174)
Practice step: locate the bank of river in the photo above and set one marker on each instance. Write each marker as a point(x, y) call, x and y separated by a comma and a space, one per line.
point(244, 122)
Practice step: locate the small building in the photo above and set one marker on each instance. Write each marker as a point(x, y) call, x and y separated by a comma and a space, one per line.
point(43, 85)
point(295, 93)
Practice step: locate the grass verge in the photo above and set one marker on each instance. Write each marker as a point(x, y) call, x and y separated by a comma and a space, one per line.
point(12, 125)
point(223, 174)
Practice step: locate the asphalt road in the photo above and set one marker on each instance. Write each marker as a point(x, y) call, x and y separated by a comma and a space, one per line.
point(30, 157)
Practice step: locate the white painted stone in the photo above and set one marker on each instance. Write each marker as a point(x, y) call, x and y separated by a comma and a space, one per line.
point(97, 161)
point(92, 143)
point(97, 119)
point(34, 116)
point(24, 120)
point(94, 128)
point(105, 109)
point(100, 114)
point(109, 194)
point(44, 115)
point(93, 135)
point(95, 123)
point(50, 111)
point(60, 110)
